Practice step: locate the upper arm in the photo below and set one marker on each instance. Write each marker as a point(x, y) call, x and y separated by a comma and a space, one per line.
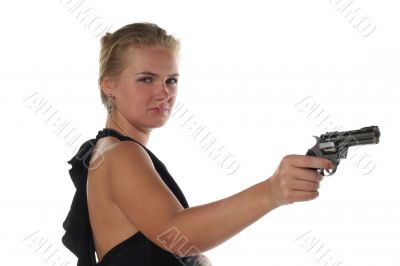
point(138, 190)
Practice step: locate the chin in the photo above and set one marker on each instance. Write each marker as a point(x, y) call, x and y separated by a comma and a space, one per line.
point(160, 123)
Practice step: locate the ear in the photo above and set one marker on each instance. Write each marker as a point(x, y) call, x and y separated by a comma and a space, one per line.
point(107, 85)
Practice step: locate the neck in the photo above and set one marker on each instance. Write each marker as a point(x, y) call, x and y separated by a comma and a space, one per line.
point(116, 122)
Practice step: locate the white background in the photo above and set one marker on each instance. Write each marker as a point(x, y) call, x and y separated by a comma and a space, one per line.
point(247, 67)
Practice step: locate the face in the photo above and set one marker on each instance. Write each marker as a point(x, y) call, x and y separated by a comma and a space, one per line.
point(149, 81)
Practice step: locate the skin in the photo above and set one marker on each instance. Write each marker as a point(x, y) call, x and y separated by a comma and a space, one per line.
point(128, 189)
point(134, 93)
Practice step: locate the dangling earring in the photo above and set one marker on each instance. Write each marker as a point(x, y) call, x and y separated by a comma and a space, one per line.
point(109, 104)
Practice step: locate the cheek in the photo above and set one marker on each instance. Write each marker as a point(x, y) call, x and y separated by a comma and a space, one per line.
point(135, 93)
point(174, 91)
point(173, 98)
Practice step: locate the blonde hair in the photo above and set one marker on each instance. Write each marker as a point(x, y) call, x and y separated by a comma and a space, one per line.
point(112, 60)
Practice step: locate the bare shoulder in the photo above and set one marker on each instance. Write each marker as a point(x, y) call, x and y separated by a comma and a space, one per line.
point(137, 189)
point(127, 152)
point(110, 226)
point(114, 158)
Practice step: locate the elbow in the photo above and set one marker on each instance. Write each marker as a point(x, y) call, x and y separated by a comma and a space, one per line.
point(175, 242)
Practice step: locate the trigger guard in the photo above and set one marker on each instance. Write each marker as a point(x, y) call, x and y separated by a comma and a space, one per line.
point(325, 172)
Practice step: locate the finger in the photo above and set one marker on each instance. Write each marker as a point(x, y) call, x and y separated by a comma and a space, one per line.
point(304, 185)
point(305, 161)
point(306, 174)
point(304, 195)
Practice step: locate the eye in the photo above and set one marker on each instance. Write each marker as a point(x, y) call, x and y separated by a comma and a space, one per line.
point(146, 79)
point(172, 81)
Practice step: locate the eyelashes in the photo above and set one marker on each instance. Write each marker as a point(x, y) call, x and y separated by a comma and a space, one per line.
point(151, 79)
point(174, 80)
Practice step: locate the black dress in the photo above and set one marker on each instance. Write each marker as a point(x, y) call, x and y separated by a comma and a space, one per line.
point(137, 250)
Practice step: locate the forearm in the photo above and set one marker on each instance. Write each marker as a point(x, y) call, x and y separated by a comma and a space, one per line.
point(208, 225)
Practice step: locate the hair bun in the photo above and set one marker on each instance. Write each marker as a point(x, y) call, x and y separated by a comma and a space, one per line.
point(106, 38)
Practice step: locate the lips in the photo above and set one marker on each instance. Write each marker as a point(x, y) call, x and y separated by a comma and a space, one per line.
point(162, 109)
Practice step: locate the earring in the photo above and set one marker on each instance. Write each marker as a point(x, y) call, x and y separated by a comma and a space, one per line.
point(109, 104)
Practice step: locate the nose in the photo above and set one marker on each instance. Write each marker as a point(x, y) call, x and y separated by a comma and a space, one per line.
point(163, 90)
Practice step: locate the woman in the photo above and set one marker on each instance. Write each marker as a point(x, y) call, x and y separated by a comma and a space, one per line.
point(135, 212)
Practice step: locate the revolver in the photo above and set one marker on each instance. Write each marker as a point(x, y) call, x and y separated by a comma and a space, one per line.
point(333, 145)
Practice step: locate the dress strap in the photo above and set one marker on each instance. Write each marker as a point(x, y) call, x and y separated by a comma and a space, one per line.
point(106, 132)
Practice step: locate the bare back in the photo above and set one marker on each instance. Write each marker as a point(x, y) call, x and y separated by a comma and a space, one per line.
point(109, 225)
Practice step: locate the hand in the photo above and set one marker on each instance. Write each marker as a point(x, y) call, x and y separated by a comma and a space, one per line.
point(296, 179)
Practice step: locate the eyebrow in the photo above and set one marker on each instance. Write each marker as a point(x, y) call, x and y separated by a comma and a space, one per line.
point(154, 74)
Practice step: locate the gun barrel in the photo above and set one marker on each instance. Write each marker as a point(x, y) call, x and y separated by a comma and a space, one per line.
point(365, 135)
